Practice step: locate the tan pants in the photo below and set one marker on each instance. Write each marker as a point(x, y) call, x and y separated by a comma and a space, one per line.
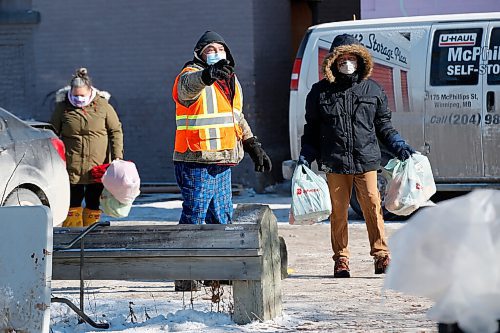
point(369, 198)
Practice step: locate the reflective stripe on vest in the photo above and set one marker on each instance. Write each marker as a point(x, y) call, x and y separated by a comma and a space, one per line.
point(210, 123)
point(185, 122)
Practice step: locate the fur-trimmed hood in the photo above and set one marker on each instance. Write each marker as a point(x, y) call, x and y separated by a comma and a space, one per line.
point(63, 92)
point(348, 44)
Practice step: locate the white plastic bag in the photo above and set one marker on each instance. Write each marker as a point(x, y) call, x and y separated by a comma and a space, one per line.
point(450, 254)
point(112, 207)
point(410, 184)
point(310, 197)
point(122, 180)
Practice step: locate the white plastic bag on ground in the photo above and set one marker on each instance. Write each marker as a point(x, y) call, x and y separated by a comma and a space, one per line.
point(410, 184)
point(450, 254)
point(122, 180)
point(310, 197)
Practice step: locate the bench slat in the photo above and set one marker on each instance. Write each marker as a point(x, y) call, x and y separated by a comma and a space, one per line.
point(160, 269)
point(159, 253)
point(241, 236)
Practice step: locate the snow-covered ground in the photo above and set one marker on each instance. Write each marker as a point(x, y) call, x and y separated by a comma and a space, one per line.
point(312, 300)
point(161, 207)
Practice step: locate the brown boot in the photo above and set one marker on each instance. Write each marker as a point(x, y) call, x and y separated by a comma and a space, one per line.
point(341, 269)
point(381, 263)
point(90, 216)
point(74, 218)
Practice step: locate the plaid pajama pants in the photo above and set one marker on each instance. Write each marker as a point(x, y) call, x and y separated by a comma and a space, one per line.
point(206, 193)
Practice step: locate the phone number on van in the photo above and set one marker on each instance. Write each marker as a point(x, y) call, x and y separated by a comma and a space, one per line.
point(466, 119)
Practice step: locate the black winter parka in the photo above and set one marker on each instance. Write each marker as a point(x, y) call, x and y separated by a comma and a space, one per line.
point(344, 118)
point(343, 125)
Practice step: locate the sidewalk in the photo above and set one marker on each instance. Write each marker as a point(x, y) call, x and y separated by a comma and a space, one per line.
point(325, 304)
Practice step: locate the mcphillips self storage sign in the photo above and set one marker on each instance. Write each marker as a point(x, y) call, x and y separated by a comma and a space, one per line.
point(463, 55)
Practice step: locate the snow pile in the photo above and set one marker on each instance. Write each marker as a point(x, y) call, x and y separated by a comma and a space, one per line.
point(156, 316)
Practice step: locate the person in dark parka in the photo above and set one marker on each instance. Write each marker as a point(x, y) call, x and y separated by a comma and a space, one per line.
point(346, 116)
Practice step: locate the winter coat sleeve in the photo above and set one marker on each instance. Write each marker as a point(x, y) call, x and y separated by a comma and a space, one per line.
point(115, 133)
point(245, 127)
point(189, 87)
point(311, 139)
point(56, 119)
point(383, 125)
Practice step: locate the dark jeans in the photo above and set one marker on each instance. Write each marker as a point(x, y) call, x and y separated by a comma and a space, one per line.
point(91, 193)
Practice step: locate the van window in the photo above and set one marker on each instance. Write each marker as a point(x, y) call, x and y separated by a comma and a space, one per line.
point(455, 57)
point(493, 66)
point(385, 77)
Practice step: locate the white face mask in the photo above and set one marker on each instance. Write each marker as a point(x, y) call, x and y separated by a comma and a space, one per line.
point(348, 67)
point(213, 58)
point(81, 101)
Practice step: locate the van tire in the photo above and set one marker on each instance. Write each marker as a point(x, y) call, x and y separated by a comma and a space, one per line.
point(22, 197)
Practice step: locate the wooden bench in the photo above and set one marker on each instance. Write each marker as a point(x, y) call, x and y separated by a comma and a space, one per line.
point(246, 252)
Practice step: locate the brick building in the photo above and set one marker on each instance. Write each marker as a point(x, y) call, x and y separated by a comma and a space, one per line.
point(134, 50)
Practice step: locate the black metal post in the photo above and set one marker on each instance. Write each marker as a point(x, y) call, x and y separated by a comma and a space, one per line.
point(80, 313)
point(82, 284)
point(67, 246)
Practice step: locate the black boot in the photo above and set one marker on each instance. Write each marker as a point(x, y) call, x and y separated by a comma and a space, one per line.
point(187, 285)
point(216, 283)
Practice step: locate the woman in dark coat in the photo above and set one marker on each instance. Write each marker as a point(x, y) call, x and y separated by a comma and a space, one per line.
point(92, 135)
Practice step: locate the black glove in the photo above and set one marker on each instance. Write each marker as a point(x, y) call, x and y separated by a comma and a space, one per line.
point(404, 152)
point(259, 157)
point(400, 148)
point(307, 155)
point(221, 70)
point(303, 161)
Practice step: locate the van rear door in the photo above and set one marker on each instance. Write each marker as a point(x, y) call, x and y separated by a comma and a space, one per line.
point(454, 102)
point(491, 100)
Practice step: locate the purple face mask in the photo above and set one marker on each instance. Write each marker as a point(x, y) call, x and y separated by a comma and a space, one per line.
point(78, 101)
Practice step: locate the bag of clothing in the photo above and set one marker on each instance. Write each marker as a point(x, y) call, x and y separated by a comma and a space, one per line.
point(410, 184)
point(122, 180)
point(310, 197)
point(112, 207)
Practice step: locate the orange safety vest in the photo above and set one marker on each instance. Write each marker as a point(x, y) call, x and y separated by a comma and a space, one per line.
point(211, 123)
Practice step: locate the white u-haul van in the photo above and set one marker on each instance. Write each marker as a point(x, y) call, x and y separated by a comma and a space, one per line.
point(441, 75)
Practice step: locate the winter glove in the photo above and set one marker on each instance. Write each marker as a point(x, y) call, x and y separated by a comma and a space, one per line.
point(259, 157)
point(307, 155)
point(302, 161)
point(221, 70)
point(405, 152)
point(400, 148)
point(98, 171)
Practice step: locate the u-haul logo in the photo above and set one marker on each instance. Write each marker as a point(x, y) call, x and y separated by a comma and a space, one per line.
point(457, 39)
